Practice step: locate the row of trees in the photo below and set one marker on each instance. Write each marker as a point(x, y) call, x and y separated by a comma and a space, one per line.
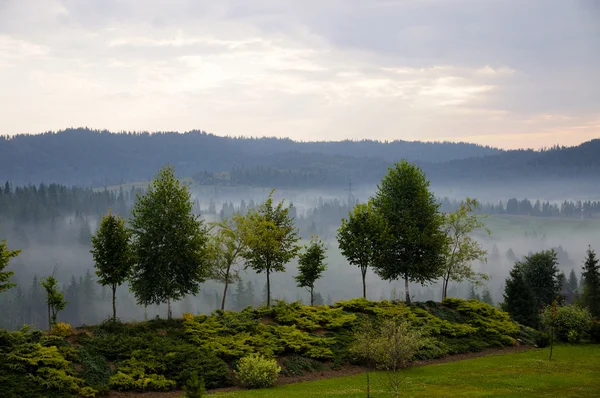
point(401, 234)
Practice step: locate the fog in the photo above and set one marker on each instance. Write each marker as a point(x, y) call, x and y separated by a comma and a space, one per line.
point(63, 244)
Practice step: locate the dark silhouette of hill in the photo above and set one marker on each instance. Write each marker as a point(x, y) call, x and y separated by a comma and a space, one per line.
point(93, 157)
point(96, 158)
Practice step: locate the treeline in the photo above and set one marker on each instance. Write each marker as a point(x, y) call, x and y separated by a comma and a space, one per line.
point(98, 157)
point(524, 207)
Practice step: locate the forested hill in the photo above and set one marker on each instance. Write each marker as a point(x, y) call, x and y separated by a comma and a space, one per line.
point(92, 157)
point(98, 158)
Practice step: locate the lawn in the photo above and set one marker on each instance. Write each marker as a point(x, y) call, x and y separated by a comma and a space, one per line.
point(573, 372)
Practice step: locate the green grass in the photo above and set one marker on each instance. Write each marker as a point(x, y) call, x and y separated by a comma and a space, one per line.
point(573, 372)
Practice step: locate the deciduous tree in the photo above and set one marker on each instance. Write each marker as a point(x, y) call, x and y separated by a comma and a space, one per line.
point(55, 299)
point(463, 249)
point(270, 239)
point(5, 256)
point(357, 238)
point(112, 254)
point(414, 244)
point(168, 242)
point(224, 253)
point(311, 264)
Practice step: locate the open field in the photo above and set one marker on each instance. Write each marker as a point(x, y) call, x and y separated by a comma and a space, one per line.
point(573, 372)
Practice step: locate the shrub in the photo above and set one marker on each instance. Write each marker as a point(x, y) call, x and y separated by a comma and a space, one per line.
point(571, 322)
point(62, 329)
point(194, 387)
point(257, 372)
point(296, 366)
point(542, 340)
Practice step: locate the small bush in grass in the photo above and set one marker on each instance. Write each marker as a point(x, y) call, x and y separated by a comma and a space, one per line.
point(257, 372)
point(62, 329)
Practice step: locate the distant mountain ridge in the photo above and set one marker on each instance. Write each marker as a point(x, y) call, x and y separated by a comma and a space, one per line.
point(92, 157)
point(96, 158)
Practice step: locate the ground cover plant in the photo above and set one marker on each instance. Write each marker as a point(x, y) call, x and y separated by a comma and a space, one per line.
point(161, 355)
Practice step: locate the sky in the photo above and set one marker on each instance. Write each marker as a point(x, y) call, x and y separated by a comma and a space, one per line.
point(506, 73)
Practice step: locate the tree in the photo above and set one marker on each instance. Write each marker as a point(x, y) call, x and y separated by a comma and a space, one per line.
point(413, 242)
point(532, 285)
point(270, 239)
point(310, 266)
point(389, 346)
point(573, 283)
point(55, 299)
point(112, 254)
point(168, 243)
point(224, 252)
point(357, 238)
point(486, 297)
point(462, 249)
point(473, 295)
point(5, 256)
point(591, 283)
point(518, 297)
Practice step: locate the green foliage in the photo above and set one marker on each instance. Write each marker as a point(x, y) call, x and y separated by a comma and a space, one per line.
point(532, 285)
point(462, 248)
point(112, 253)
point(413, 243)
point(270, 239)
point(570, 323)
point(311, 265)
point(62, 329)
point(95, 370)
point(194, 387)
point(54, 298)
point(297, 366)
point(257, 372)
point(32, 365)
point(591, 283)
point(5, 256)
point(357, 236)
point(224, 252)
point(168, 243)
point(311, 318)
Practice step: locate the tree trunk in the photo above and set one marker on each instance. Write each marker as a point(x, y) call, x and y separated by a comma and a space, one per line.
point(169, 313)
point(312, 300)
point(406, 289)
point(368, 385)
point(49, 319)
point(268, 289)
point(445, 287)
point(114, 301)
point(364, 275)
point(224, 295)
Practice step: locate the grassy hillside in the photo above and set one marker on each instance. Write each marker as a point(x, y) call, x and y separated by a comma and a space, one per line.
point(160, 355)
point(573, 372)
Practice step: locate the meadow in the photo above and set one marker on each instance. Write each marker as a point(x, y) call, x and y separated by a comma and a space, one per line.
point(573, 372)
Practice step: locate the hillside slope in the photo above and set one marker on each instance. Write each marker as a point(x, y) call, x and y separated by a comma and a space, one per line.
point(160, 355)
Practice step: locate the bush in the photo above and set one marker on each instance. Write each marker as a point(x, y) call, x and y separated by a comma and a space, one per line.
point(571, 323)
point(62, 329)
point(296, 366)
point(542, 340)
point(257, 372)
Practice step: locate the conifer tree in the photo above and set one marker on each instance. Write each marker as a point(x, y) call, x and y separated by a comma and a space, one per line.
point(591, 283)
point(573, 283)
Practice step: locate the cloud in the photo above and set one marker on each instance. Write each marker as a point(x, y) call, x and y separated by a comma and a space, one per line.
point(388, 69)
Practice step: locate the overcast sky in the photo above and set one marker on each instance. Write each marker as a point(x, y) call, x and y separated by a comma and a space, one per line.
point(509, 73)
